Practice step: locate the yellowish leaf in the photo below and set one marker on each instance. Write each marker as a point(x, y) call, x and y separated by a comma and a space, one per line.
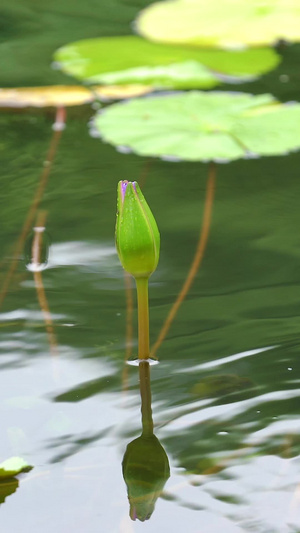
point(66, 95)
point(119, 92)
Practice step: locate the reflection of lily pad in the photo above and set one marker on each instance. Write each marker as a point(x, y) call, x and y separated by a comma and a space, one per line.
point(220, 385)
point(199, 126)
point(221, 23)
point(130, 59)
point(12, 467)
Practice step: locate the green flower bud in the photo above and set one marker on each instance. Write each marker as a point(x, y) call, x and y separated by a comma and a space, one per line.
point(137, 235)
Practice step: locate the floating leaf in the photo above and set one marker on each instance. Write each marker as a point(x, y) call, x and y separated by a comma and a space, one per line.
point(130, 59)
point(198, 126)
point(221, 23)
point(12, 467)
point(189, 74)
point(65, 95)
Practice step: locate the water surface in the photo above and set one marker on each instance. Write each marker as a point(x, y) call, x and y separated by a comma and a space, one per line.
point(226, 391)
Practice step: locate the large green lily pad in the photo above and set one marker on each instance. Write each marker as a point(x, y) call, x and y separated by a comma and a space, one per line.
point(130, 59)
point(198, 126)
point(221, 23)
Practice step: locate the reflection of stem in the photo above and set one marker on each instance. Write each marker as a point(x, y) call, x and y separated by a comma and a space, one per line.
point(145, 389)
point(210, 190)
point(36, 259)
point(28, 223)
point(143, 317)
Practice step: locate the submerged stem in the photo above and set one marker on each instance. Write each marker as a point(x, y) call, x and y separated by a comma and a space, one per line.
point(143, 317)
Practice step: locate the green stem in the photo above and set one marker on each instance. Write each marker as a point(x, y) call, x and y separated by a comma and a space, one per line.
point(143, 317)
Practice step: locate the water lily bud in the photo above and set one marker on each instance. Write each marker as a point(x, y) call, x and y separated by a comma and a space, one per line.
point(137, 235)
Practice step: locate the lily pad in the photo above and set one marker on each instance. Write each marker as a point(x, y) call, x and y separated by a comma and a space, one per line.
point(198, 126)
point(130, 59)
point(12, 467)
point(221, 23)
point(65, 95)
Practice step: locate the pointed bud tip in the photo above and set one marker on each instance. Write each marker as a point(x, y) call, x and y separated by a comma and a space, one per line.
point(123, 185)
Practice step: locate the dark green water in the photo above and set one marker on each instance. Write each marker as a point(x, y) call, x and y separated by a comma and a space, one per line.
point(226, 391)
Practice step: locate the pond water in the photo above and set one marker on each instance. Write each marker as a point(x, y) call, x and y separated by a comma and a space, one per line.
point(225, 394)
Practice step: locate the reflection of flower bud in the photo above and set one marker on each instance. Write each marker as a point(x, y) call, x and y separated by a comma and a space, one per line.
point(137, 235)
point(145, 471)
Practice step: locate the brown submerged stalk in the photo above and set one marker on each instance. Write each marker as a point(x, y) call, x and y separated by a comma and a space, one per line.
point(38, 280)
point(202, 242)
point(28, 223)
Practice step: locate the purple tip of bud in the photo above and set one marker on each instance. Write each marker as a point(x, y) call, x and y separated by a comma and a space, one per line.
point(133, 513)
point(123, 188)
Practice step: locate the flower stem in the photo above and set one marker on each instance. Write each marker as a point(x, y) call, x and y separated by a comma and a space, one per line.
point(143, 317)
